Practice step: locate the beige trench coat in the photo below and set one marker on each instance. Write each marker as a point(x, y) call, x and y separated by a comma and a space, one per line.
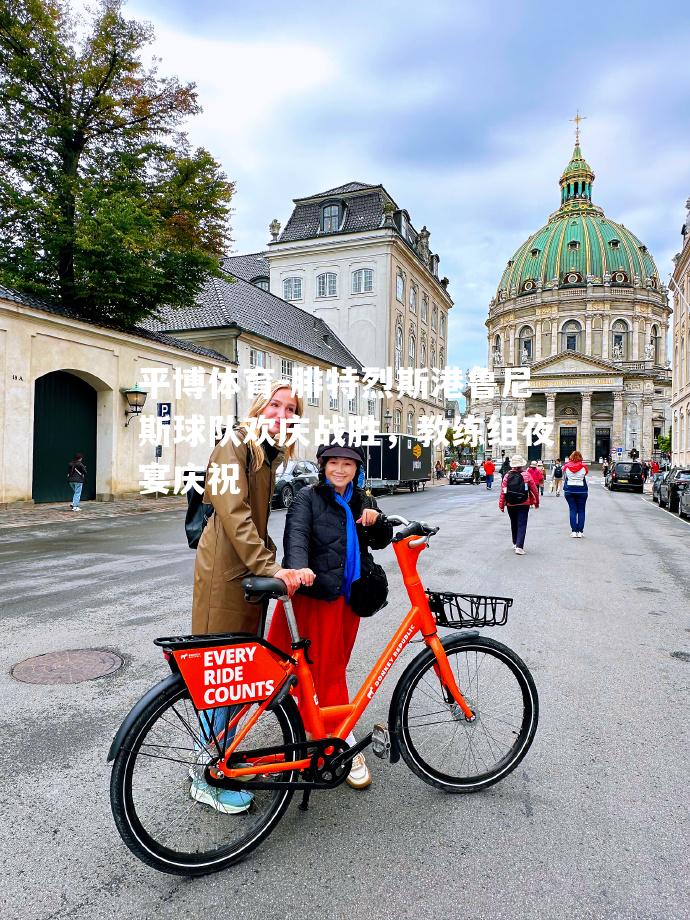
point(234, 544)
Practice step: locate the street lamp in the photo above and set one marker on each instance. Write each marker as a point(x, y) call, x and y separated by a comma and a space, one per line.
point(136, 397)
point(387, 417)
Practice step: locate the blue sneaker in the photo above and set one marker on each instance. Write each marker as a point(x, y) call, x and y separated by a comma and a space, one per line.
point(226, 801)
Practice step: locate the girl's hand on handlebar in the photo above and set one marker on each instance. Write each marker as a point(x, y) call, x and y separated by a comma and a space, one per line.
point(291, 579)
point(369, 517)
point(306, 576)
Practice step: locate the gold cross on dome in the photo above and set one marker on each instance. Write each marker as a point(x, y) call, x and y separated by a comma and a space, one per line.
point(578, 118)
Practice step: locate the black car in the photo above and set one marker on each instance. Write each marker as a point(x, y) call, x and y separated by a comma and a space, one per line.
point(656, 484)
point(290, 478)
point(625, 475)
point(674, 483)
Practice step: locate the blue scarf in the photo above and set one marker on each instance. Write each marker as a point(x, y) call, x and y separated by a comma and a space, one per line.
point(352, 562)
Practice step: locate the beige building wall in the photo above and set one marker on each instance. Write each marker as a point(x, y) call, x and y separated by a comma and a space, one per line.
point(680, 400)
point(34, 343)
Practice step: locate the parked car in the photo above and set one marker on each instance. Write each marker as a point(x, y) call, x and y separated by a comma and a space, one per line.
point(625, 475)
point(290, 478)
point(684, 503)
point(464, 474)
point(674, 483)
point(656, 484)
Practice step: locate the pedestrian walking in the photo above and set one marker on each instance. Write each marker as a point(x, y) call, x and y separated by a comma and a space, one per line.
point(557, 477)
point(76, 477)
point(505, 466)
point(542, 470)
point(439, 470)
point(655, 467)
point(329, 529)
point(575, 490)
point(518, 495)
point(476, 475)
point(233, 544)
point(605, 467)
point(537, 476)
point(489, 470)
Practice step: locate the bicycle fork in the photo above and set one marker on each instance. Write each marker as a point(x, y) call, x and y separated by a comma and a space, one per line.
point(444, 672)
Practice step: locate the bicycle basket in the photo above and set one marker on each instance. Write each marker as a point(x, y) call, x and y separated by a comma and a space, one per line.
point(457, 611)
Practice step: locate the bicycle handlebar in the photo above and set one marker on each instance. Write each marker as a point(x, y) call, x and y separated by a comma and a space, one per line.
point(411, 528)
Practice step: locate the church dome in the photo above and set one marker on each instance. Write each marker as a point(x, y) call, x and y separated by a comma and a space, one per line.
point(578, 245)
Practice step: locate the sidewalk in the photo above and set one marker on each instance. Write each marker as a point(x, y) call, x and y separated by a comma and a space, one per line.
point(58, 512)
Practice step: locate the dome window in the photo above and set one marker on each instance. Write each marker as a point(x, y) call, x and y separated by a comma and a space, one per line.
point(573, 278)
point(529, 285)
point(619, 277)
point(573, 244)
point(643, 248)
point(534, 252)
point(614, 244)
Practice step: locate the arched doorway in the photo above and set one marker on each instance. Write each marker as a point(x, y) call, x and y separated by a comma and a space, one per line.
point(64, 424)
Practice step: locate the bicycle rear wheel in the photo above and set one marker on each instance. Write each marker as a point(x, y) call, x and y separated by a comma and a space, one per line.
point(152, 777)
point(436, 741)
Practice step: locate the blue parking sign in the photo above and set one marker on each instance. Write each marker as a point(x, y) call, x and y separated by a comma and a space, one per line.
point(164, 412)
point(619, 451)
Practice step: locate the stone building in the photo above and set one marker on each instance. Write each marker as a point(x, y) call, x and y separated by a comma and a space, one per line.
point(680, 405)
point(352, 257)
point(582, 304)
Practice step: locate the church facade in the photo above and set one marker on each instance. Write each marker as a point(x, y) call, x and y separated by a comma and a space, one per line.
point(581, 303)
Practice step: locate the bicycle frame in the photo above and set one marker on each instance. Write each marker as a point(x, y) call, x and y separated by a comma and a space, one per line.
point(338, 721)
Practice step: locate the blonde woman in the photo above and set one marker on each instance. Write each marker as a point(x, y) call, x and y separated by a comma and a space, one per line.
point(235, 543)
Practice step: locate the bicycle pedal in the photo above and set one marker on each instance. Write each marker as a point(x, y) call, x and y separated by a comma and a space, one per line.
point(381, 742)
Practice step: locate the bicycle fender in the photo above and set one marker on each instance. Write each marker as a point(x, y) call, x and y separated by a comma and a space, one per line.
point(397, 693)
point(136, 710)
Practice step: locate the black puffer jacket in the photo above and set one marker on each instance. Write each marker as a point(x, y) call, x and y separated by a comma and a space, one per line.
point(315, 537)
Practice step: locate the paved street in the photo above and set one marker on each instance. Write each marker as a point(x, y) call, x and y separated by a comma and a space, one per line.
point(592, 824)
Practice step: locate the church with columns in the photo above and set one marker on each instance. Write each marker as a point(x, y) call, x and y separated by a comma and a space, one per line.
point(582, 305)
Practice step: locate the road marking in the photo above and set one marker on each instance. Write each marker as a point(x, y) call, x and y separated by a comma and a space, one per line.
point(676, 517)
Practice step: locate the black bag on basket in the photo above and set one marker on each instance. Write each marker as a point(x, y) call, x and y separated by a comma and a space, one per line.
point(369, 593)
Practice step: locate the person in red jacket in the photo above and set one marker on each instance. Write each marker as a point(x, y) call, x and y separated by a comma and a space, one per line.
point(518, 495)
point(537, 476)
point(489, 469)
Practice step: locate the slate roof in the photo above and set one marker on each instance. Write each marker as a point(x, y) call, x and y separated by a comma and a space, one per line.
point(51, 306)
point(363, 212)
point(223, 302)
point(247, 267)
point(342, 190)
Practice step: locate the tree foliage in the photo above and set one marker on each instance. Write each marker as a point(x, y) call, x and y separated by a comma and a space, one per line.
point(103, 201)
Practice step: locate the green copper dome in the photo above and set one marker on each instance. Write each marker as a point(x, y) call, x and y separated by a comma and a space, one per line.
point(579, 244)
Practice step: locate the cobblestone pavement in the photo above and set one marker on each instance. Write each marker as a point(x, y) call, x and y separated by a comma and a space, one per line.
point(58, 512)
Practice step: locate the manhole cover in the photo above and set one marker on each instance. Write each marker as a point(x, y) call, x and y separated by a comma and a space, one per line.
point(681, 656)
point(70, 667)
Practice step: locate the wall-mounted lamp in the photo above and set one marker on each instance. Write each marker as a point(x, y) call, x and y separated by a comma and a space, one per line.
point(136, 397)
point(387, 416)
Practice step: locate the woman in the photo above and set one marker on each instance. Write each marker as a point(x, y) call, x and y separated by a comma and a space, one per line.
point(575, 491)
point(518, 494)
point(328, 528)
point(557, 477)
point(76, 477)
point(235, 543)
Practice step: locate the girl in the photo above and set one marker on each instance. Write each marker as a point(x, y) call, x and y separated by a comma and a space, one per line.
point(575, 491)
point(328, 527)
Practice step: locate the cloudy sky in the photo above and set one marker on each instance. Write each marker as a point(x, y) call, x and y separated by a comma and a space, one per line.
point(461, 110)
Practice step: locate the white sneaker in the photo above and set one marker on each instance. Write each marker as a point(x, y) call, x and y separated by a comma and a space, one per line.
point(76, 509)
point(574, 534)
point(579, 535)
point(519, 551)
point(359, 776)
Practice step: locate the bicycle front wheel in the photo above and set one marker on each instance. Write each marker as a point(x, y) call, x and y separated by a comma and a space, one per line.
point(439, 744)
point(164, 815)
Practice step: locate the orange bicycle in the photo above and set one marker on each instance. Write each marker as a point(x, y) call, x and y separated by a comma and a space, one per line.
point(462, 716)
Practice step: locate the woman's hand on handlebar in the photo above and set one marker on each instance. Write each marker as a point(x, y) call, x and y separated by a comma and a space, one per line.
point(369, 517)
point(306, 576)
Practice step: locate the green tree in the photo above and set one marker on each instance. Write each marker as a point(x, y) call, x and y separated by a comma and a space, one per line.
point(103, 201)
point(664, 442)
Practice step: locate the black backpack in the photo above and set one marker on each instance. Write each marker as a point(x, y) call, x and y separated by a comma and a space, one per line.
point(516, 490)
point(199, 512)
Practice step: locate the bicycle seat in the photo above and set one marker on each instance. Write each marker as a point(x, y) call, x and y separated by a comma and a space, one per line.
point(256, 587)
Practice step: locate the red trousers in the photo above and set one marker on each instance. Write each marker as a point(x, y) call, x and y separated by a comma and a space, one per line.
point(332, 628)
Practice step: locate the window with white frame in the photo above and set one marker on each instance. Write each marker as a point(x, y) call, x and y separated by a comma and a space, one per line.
point(410, 422)
point(422, 354)
point(425, 308)
point(286, 369)
point(326, 285)
point(371, 407)
point(333, 403)
point(261, 282)
point(330, 218)
point(400, 286)
point(413, 298)
point(443, 325)
point(397, 421)
point(398, 350)
point(292, 289)
point(411, 351)
point(352, 405)
point(434, 316)
point(258, 358)
point(363, 281)
point(313, 401)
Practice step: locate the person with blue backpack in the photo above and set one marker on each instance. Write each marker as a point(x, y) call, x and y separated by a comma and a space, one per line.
point(518, 494)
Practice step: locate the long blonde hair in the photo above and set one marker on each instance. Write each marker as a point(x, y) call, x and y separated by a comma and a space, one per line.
point(257, 451)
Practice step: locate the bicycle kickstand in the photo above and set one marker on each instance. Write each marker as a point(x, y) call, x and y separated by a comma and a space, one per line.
point(304, 804)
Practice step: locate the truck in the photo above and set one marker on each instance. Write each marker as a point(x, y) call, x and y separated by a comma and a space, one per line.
point(397, 460)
